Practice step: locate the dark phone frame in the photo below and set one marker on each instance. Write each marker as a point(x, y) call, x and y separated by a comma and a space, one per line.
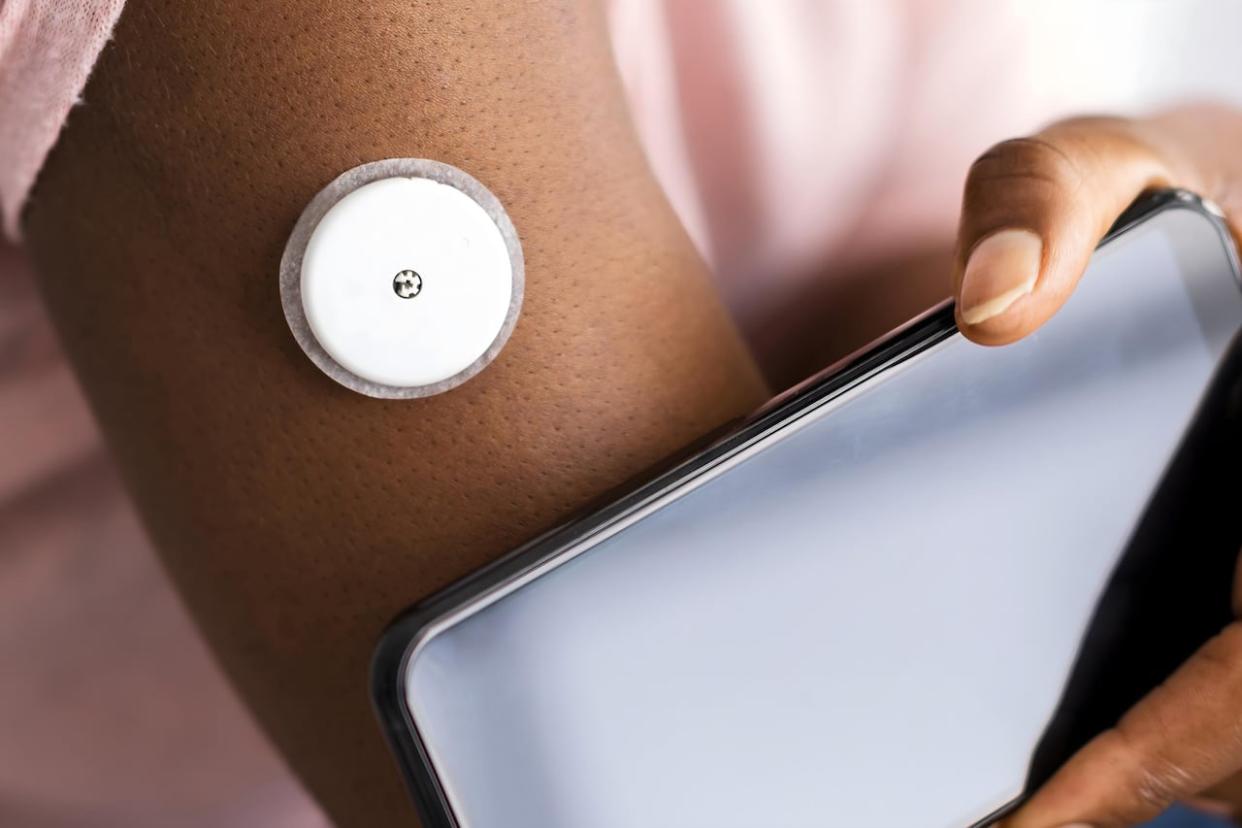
point(401, 640)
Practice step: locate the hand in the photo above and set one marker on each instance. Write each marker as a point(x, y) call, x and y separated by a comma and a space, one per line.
point(1034, 210)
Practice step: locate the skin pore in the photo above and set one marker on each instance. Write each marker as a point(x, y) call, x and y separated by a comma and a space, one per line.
point(296, 517)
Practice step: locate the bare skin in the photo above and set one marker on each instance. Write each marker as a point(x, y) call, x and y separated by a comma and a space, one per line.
point(297, 518)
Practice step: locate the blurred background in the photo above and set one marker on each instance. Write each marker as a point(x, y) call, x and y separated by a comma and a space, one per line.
point(815, 150)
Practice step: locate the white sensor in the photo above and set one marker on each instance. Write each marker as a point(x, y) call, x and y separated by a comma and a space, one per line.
point(402, 278)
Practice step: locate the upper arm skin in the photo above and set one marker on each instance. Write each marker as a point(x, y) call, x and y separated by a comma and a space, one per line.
point(297, 517)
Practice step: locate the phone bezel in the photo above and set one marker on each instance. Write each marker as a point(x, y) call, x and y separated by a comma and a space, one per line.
point(403, 638)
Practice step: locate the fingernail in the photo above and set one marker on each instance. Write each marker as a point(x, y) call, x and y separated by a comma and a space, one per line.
point(1001, 270)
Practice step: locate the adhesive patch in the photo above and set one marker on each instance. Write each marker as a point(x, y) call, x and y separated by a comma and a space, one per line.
point(403, 278)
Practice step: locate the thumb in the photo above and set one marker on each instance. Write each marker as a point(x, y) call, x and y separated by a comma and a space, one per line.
point(1181, 739)
point(1034, 210)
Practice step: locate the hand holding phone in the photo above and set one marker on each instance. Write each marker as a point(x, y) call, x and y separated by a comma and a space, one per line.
point(899, 575)
point(1065, 185)
point(884, 578)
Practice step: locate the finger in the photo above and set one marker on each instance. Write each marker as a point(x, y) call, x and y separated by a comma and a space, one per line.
point(1183, 738)
point(1035, 208)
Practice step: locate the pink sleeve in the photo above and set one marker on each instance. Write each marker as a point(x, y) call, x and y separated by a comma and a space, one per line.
point(47, 49)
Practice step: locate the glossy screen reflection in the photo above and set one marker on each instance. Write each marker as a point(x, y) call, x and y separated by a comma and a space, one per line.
point(872, 621)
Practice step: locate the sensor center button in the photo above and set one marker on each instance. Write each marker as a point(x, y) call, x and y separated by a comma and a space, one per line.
point(407, 284)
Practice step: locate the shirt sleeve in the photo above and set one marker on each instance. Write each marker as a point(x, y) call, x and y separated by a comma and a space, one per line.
point(47, 51)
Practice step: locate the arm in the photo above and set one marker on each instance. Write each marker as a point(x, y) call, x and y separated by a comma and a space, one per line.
point(296, 517)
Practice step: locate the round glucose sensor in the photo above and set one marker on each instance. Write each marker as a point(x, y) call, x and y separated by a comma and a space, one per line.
point(402, 278)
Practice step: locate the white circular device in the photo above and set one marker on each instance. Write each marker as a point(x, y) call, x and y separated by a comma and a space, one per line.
point(402, 278)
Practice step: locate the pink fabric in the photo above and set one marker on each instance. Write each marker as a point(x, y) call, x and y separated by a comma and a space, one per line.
point(47, 50)
point(789, 134)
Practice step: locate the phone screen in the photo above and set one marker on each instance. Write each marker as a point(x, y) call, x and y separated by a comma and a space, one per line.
point(868, 619)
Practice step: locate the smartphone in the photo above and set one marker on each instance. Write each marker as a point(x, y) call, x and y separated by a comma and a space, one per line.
point(900, 595)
